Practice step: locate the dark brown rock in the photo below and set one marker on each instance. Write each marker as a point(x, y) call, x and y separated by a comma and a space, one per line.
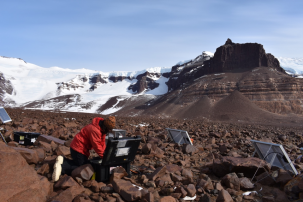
point(106, 189)
point(248, 166)
point(283, 177)
point(191, 190)
point(49, 139)
point(182, 191)
point(172, 168)
point(265, 179)
point(63, 150)
point(224, 196)
point(146, 148)
point(94, 186)
point(127, 191)
point(65, 182)
point(44, 169)
point(84, 172)
point(45, 146)
point(205, 182)
point(69, 194)
point(206, 198)
point(231, 181)
point(159, 172)
point(118, 173)
point(176, 178)
point(187, 173)
point(189, 149)
point(245, 184)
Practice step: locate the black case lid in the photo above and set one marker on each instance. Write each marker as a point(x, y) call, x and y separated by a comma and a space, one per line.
point(121, 150)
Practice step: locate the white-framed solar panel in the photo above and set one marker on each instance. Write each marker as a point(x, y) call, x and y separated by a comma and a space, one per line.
point(274, 154)
point(179, 136)
point(4, 116)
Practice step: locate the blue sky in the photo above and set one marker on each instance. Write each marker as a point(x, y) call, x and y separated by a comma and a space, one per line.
point(129, 35)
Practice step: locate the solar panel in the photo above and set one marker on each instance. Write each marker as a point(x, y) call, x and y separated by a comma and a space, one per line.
point(274, 154)
point(4, 116)
point(179, 136)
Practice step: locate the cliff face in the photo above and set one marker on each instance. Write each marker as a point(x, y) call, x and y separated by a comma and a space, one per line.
point(231, 56)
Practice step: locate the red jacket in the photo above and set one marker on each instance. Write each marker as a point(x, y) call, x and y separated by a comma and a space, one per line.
point(90, 137)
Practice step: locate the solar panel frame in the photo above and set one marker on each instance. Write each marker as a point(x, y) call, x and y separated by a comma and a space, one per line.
point(274, 154)
point(179, 136)
point(4, 116)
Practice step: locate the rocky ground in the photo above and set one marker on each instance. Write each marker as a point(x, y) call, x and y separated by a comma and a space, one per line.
point(218, 166)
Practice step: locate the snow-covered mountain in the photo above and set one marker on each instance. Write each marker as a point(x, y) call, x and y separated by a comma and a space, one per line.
point(27, 85)
point(32, 85)
point(293, 66)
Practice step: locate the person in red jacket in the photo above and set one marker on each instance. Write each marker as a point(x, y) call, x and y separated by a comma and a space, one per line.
point(92, 136)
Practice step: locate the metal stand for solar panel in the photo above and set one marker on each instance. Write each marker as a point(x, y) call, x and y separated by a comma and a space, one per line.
point(277, 150)
point(4, 118)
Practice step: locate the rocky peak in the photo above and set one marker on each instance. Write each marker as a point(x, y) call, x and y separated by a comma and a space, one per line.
point(145, 81)
point(241, 56)
point(228, 57)
point(5, 87)
point(228, 42)
point(97, 78)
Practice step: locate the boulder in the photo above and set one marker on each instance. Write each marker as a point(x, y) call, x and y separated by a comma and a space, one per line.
point(65, 182)
point(283, 177)
point(189, 149)
point(118, 173)
point(205, 183)
point(48, 139)
point(191, 190)
point(29, 155)
point(159, 172)
point(224, 196)
point(44, 169)
point(247, 166)
point(85, 172)
point(62, 150)
point(168, 199)
point(19, 182)
point(47, 186)
point(231, 181)
point(69, 194)
point(245, 183)
point(295, 186)
point(126, 190)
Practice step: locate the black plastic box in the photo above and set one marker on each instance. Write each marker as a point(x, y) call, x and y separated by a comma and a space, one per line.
point(118, 152)
point(25, 138)
point(103, 172)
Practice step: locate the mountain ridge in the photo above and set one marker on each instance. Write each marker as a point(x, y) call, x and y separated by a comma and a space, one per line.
point(232, 67)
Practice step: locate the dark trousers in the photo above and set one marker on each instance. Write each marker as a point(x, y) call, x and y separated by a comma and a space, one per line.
point(78, 160)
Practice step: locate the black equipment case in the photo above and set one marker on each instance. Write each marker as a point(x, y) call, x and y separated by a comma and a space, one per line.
point(118, 152)
point(25, 138)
